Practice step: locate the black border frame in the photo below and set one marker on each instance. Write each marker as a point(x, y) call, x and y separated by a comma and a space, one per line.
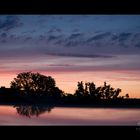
point(66, 7)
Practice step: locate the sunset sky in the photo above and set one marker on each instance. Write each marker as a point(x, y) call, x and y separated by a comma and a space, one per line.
point(73, 48)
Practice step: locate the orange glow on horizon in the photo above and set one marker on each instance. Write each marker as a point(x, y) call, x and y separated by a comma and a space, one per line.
point(128, 81)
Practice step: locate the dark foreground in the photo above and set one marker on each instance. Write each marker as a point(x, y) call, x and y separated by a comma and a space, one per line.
point(65, 102)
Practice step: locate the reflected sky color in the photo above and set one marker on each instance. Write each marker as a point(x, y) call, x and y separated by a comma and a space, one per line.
point(72, 116)
point(72, 48)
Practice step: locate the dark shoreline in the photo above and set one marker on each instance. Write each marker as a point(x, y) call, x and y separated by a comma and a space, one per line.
point(71, 105)
point(14, 100)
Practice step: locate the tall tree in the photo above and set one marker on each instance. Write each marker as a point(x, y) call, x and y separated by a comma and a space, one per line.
point(35, 83)
point(80, 91)
point(92, 89)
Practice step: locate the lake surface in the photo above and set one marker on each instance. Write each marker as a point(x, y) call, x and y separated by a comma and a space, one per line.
point(34, 115)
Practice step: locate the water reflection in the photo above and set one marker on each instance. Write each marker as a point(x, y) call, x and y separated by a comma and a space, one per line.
point(28, 115)
point(32, 110)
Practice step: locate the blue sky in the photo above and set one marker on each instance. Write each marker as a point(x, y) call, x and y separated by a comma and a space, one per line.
point(71, 30)
point(102, 38)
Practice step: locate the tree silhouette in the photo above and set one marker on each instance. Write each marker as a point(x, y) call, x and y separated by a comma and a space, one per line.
point(86, 92)
point(38, 88)
point(127, 96)
point(108, 92)
point(102, 92)
point(92, 89)
point(98, 92)
point(116, 93)
point(34, 83)
point(80, 91)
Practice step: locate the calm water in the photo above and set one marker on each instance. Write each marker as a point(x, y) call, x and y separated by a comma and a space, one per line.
point(34, 115)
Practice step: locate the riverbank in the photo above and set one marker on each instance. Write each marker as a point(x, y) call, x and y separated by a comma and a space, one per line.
point(130, 103)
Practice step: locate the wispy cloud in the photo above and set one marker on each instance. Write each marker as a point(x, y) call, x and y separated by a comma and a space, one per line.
point(52, 37)
point(75, 35)
point(81, 55)
point(54, 30)
point(99, 37)
point(124, 36)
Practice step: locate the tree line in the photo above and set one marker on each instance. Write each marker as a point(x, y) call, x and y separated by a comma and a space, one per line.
point(36, 84)
point(101, 92)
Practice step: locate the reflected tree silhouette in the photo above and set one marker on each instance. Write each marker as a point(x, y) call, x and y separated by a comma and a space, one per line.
point(32, 110)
